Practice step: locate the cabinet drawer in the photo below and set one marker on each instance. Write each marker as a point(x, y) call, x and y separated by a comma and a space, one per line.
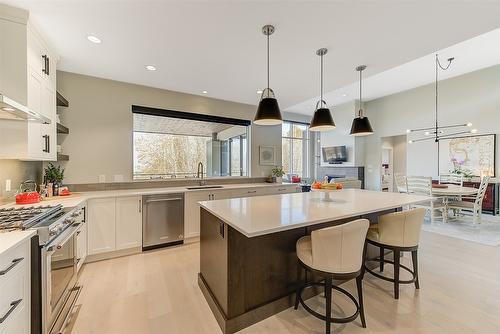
point(17, 322)
point(13, 295)
point(11, 262)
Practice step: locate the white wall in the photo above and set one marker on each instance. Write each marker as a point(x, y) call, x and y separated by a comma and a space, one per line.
point(100, 121)
point(473, 97)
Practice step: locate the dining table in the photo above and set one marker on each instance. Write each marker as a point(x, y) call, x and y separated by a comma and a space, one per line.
point(450, 191)
point(453, 190)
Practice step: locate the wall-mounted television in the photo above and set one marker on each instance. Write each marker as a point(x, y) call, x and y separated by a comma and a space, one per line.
point(334, 154)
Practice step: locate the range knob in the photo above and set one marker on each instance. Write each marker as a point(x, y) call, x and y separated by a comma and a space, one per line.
point(68, 221)
point(74, 214)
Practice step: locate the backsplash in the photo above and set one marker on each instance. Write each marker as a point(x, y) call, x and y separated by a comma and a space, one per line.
point(17, 171)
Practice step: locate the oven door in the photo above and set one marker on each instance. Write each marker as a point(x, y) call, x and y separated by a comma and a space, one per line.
point(60, 276)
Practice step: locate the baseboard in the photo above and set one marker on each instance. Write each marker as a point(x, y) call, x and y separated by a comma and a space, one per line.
point(113, 254)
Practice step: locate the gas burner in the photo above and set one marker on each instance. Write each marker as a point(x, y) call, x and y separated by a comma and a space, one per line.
point(22, 218)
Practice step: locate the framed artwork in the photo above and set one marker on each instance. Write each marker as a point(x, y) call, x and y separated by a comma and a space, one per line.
point(267, 155)
point(474, 155)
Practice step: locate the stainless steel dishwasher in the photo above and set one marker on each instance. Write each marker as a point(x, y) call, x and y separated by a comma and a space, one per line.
point(162, 220)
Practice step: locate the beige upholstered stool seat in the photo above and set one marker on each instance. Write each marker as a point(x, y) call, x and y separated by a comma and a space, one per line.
point(372, 233)
point(304, 250)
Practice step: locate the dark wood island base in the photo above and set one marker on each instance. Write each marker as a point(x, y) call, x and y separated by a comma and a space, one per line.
point(246, 280)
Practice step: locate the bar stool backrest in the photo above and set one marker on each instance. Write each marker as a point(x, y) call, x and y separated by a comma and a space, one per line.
point(339, 249)
point(401, 229)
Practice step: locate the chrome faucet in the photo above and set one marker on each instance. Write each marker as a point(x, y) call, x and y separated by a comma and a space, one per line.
point(199, 173)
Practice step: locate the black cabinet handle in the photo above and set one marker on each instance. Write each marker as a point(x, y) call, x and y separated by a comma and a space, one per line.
point(14, 263)
point(13, 306)
point(221, 230)
point(46, 64)
point(46, 138)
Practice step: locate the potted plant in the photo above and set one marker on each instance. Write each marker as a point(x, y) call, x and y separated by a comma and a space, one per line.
point(277, 173)
point(55, 175)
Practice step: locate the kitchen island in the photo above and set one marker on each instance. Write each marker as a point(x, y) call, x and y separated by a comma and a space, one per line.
point(248, 265)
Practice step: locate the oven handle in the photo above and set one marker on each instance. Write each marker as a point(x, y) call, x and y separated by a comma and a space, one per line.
point(54, 244)
point(12, 307)
point(62, 329)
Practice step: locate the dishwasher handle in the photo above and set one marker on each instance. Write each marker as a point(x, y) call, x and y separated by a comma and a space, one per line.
point(163, 199)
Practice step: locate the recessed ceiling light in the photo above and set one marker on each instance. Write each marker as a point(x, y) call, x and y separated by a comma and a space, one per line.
point(469, 124)
point(344, 95)
point(94, 39)
point(259, 91)
point(205, 92)
point(150, 68)
point(8, 109)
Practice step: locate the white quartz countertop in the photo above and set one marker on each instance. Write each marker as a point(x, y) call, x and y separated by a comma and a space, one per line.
point(79, 197)
point(261, 215)
point(12, 239)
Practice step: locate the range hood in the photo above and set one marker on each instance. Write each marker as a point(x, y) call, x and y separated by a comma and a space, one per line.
point(10, 109)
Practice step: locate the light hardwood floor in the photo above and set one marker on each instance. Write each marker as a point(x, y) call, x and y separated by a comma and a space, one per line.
point(157, 292)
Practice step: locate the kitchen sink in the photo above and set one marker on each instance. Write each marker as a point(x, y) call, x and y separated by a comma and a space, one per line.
point(204, 187)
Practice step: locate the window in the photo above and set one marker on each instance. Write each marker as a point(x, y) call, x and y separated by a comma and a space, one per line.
point(295, 149)
point(172, 147)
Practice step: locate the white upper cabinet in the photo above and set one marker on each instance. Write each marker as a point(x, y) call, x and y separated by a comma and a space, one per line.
point(28, 76)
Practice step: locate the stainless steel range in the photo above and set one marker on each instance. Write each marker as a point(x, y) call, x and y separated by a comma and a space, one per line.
point(54, 261)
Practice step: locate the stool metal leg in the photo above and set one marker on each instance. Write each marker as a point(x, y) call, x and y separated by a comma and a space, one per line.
point(414, 260)
point(328, 294)
point(397, 261)
point(299, 285)
point(359, 283)
point(381, 259)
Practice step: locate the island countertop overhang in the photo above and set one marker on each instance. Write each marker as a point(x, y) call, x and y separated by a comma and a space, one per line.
point(261, 215)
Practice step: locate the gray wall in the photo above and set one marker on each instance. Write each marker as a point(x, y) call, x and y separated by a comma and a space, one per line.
point(17, 171)
point(472, 97)
point(100, 121)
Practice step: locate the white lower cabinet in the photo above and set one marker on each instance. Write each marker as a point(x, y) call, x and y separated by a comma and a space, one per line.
point(114, 224)
point(192, 212)
point(128, 222)
point(101, 225)
point(15, 289)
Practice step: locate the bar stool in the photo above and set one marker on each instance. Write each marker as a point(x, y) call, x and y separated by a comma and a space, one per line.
point(398, 232)
point(333, 253)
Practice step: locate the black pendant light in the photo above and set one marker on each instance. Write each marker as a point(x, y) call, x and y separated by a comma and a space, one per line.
point(268, 112)
point(361, 125)
point(322, 119)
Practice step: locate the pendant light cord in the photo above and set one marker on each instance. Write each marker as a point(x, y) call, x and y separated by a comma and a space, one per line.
point(321, 81)
point(268, 60)
point(360, 112)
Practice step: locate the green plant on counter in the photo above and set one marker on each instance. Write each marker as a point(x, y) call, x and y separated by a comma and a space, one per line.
point(53, 174)
point(277, 171)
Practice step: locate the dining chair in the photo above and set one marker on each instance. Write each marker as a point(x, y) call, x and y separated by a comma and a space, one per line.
point(422, 185)
point(474, 204)
point(451, 178)
point(400, 181)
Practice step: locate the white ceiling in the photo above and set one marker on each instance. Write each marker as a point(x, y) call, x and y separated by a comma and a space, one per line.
point(218, 45)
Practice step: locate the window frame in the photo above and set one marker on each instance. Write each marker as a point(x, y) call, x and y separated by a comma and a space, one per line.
point(245, 161)
point(305, 139)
